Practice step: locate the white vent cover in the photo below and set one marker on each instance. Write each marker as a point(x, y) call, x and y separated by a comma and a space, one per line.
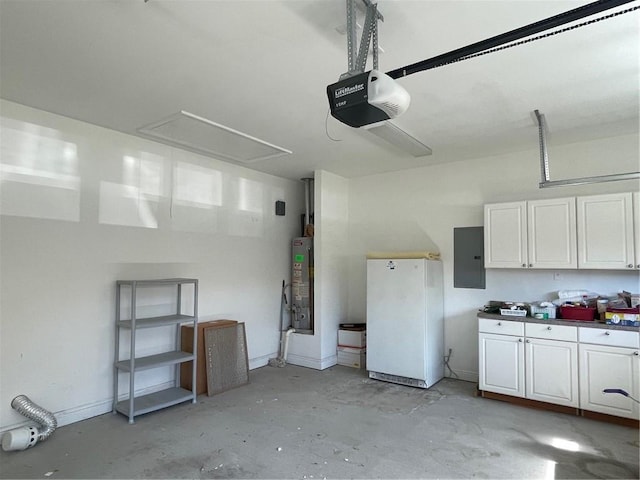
point(399, 138)
point(211, 138)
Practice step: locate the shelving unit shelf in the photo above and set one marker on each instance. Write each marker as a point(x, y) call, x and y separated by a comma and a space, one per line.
point(132, 405)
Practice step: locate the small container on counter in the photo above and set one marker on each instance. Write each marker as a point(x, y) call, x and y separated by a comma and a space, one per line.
point(602, 305)
point(547, 309)
point(571, 312)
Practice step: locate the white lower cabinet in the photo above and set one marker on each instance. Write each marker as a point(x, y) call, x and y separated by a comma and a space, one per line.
point(552, 371)
point(501, 353)
point(502, 364)
point(614, 363)
point(551, 359)
point(561, 364)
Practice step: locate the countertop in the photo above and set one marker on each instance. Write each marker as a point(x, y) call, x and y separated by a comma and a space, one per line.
point(555, 321)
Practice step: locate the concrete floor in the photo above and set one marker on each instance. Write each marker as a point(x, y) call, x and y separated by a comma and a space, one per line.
point(295, 422)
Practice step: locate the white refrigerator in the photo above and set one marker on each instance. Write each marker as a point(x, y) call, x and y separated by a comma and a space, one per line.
point(405, 321)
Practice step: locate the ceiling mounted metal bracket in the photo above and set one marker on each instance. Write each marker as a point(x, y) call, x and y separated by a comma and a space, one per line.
point(542, 139)
point(544, 164)
point(370, 25)
point(356, 62)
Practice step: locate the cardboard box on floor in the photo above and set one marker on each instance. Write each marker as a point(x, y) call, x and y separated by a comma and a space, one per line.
point(352, 357)
point(186, 344)
point(348, 338)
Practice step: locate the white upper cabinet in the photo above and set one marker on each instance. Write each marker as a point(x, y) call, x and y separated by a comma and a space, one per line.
point(589, 232)
point(552, 233)
point(534, 234)
point(606, 231)
point(505, 235)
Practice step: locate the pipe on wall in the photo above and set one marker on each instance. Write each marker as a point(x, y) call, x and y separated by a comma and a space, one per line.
point(26, 437)
point(286, 344)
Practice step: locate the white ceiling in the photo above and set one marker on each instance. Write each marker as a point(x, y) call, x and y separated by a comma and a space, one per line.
point(262, 67)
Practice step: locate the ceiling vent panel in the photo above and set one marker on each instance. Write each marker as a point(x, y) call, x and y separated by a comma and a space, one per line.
point(398, 138)
point(210, 138)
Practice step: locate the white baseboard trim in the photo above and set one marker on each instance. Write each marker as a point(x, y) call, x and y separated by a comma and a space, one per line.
point(329, 362)
point(71, 415)
point(261, 361)
point(311, 362)
point(304, 361)
point(89, 410)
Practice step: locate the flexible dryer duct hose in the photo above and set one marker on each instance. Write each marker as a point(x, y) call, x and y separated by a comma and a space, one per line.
point(25, 437)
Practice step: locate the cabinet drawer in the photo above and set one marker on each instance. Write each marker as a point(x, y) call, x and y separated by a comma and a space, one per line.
point(501, 327)
point(551, 332)
point(603, 336)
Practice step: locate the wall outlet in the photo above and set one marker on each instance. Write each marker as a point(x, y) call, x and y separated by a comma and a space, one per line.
point(557, 276)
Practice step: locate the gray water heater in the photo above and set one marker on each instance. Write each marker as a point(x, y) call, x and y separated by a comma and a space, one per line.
point(302, 284)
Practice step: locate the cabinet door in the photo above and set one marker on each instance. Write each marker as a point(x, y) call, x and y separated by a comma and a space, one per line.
point(551, 233)
point(552, 371)
point(604, 367)
point(505, 235)
point(605, 231)
point(501, 364)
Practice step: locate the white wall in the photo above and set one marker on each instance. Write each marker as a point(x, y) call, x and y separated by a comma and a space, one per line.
point(331, 200)
point(83, 206)
point(332, 215)
point(418, 210)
